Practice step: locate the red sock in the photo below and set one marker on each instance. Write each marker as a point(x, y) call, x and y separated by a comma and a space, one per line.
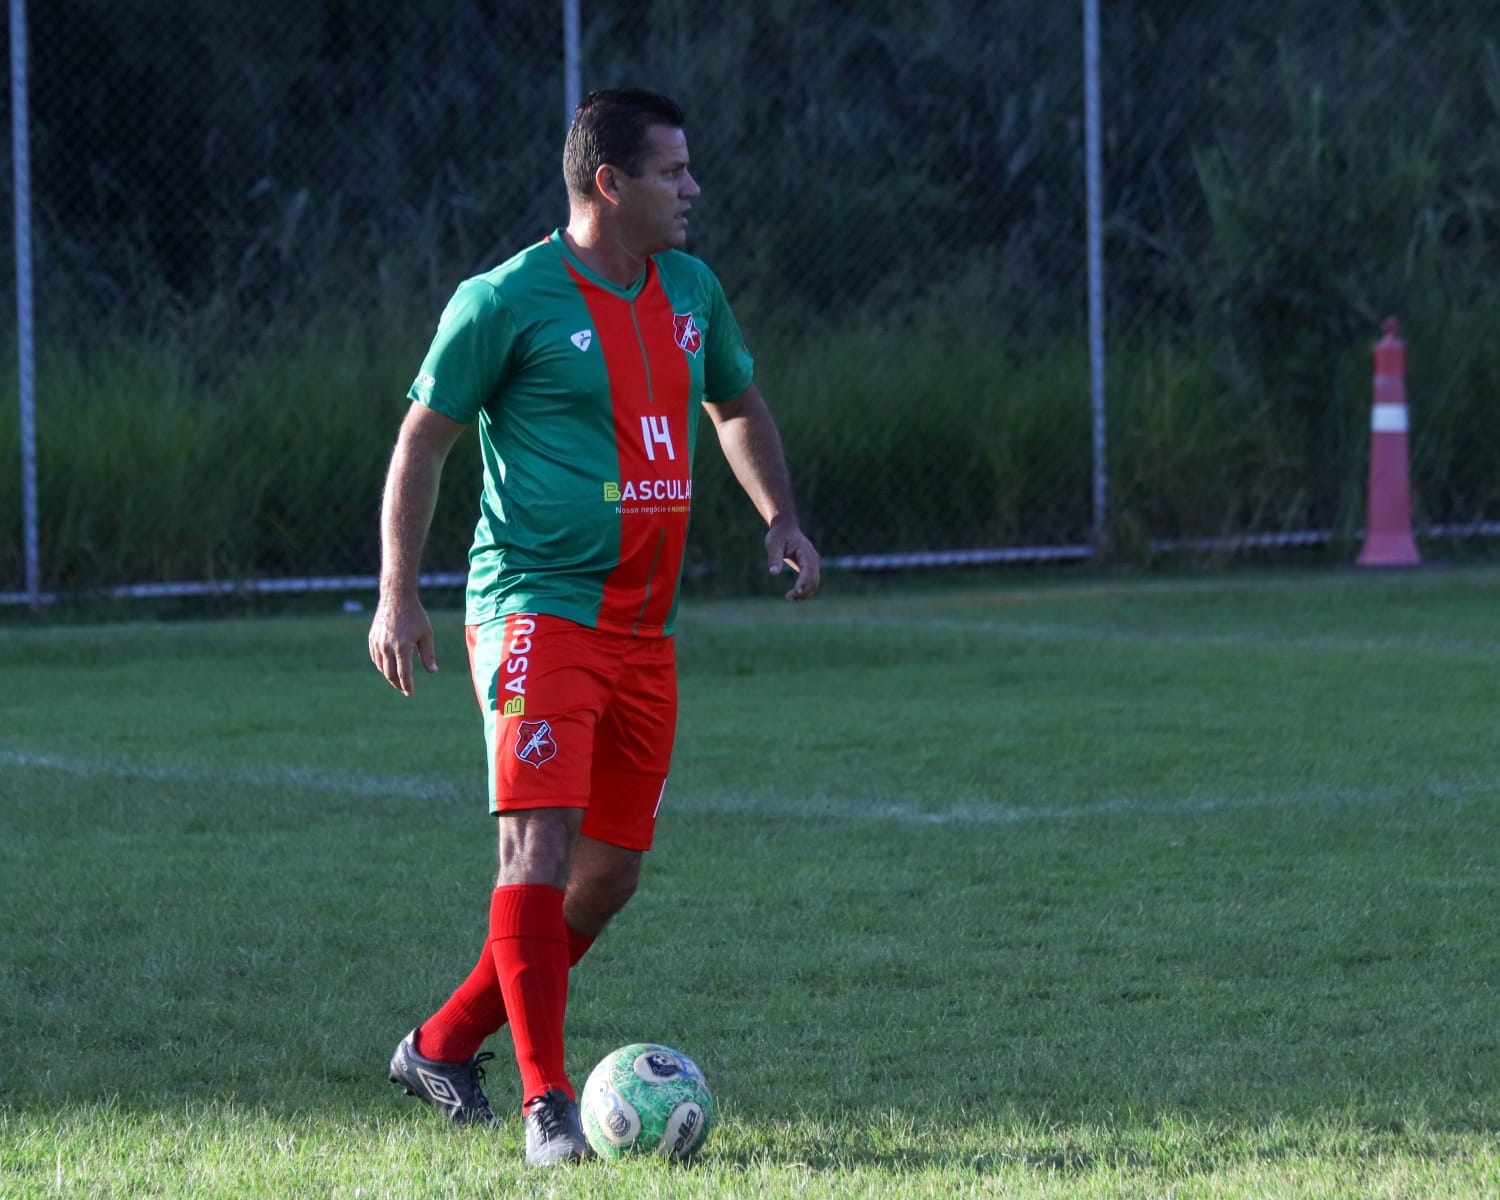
point(456, 1031)
point(529, 941)
point(578, 946)
point(477, 1009)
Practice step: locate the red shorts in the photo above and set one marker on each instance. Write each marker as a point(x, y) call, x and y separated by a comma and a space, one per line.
point(576, 718)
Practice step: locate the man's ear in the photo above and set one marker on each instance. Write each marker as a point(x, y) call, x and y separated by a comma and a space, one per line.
point(606, 182)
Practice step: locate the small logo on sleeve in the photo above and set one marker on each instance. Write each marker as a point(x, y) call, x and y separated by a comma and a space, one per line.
point(583, 339)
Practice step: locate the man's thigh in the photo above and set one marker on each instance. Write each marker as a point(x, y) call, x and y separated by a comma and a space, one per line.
point(576, 718)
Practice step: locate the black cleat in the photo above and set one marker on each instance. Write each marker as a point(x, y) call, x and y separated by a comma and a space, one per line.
point(451, 1088)
point(554, 1134)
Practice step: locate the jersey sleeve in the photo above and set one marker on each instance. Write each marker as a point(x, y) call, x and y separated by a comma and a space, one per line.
point(728, 365)
point(469, 355)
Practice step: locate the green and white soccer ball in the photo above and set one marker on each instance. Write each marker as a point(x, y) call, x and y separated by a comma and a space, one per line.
point(646, 1099)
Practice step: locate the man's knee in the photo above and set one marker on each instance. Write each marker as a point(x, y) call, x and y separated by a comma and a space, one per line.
point(603, 894)
point(536, 846)
point(602, 881)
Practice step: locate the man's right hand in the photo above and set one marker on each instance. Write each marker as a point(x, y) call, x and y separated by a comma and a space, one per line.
point(411, 487)
point(398, 628)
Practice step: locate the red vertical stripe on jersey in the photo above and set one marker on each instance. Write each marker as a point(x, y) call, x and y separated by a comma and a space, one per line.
point(671, 389)
point(649, 381)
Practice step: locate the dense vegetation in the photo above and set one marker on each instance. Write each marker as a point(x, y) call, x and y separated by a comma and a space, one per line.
point(247, 223)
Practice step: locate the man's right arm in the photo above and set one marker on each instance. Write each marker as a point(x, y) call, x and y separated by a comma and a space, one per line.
point(401, 625)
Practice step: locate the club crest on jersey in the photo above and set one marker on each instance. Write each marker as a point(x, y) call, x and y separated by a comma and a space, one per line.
point(685, 330)
point(534, 743)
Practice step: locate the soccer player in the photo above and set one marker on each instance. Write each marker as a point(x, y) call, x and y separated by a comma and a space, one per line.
point(585, 360)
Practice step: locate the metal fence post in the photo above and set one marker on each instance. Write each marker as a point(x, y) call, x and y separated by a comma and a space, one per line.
point(571, 62)
point(25, 351)
point(1092, 150)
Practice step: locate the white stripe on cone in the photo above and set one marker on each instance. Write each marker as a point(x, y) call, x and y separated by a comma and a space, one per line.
point(1388, 418)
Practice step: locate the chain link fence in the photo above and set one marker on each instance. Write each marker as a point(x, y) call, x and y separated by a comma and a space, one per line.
point(245, 220)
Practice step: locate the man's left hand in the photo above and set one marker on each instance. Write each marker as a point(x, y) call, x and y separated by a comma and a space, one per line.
point(787, 545)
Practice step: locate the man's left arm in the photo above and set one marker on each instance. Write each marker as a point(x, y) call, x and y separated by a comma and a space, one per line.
point(752, 445)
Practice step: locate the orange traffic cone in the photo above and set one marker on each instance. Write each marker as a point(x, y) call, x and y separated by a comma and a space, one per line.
point(1388, 539)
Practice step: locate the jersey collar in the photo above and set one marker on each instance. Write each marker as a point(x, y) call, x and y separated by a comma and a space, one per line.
point(627, 293)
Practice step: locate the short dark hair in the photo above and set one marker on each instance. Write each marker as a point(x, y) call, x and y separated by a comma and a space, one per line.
point(609, 126)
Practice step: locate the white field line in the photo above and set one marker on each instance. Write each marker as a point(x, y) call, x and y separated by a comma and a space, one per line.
point(979, 813)
point(1084, 632)
point(314, 780)
point(973, 811)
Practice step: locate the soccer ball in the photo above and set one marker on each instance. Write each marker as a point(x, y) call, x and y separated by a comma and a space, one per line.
point(646, 1099)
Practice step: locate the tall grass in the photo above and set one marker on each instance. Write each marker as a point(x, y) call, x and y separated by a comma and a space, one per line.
point(158, 463)
point(907, 432)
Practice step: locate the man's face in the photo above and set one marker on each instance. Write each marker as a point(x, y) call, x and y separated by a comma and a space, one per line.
point(654, 204)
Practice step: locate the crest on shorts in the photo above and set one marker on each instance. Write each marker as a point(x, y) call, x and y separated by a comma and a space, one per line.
point(685, 330)
point(534, 743)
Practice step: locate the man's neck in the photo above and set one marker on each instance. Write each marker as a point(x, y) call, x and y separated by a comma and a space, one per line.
point(603, 255)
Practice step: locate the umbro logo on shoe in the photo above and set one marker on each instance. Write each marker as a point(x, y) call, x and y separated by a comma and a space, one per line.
point(583, 338)
point(440, 1093)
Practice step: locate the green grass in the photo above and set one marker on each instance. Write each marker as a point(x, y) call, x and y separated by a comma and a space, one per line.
point(1038, 886)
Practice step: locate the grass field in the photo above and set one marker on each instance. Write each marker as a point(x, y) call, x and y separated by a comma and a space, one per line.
point(1029, 886)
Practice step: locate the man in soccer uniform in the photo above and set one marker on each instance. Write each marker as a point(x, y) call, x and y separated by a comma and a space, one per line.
point(584, 360)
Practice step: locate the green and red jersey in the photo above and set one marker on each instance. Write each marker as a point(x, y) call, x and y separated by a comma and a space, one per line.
point(587, 397)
